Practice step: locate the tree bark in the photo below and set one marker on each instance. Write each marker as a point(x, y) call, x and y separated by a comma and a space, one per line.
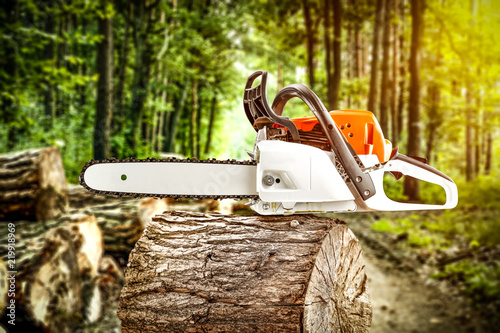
point(104, 103)
point(412, 186)
point(228, 273)
point(384, 83)
point(373, 94)
point(32, 185)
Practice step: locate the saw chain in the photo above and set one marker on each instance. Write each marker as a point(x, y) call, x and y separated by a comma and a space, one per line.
point(164, 160)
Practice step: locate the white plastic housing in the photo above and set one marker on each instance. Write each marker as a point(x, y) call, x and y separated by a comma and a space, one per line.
point(300, 174)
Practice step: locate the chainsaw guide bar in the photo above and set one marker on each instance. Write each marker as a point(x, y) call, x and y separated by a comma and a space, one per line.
point(171, 160)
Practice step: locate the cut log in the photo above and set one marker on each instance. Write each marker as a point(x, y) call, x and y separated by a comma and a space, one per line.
point(60, 280)
point(32, 185)
point(195, 272)
point(122, 223)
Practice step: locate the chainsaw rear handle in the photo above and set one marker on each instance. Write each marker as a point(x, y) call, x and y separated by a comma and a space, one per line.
point(342, 149)
point(416, 169)
point(256, 105)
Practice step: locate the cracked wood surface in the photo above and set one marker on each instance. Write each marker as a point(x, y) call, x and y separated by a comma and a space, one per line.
point(195, 272)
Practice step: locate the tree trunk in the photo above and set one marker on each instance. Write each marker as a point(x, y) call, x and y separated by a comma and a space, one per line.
point(412, 186)
point(143, 61)
point(192, 119)
point(357, 70)
point(82, 90)
point(310, 42)
point(469, 139)
point(120, 114)
point(228, 273)
point(384, 83)
point(434, 118)
point(104, 103)
point(489, 151)
point(477, 131)
point(174, 119)
point(328, 55)
point(199, 105)
point(32, 185)
point(434, 94)
point(9, 66)
point(373, 94)
point(337, 49)
point(395, 67)
point(163, 123)
point(402, 73)
point(60, 55)
point(211, 121)
point(48, 55)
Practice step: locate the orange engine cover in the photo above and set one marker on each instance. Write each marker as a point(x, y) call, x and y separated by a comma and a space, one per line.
point(360, 128)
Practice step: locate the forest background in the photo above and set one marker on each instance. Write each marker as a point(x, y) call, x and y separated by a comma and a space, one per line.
point(144, 78)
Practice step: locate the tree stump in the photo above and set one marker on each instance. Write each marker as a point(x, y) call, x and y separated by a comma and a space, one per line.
point(32, 185)
point(195, 272)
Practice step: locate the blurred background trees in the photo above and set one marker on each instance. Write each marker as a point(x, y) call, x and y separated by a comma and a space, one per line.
point(143, 77)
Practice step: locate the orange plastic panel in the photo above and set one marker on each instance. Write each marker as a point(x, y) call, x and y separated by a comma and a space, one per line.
point(360, 128)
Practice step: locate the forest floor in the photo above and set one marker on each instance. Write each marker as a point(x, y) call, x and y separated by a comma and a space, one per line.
point(404, 298)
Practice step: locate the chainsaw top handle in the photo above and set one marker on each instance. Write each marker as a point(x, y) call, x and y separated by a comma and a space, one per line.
point(342, 149)
point(257, 107)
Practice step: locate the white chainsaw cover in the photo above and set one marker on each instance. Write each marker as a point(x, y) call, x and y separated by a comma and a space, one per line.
point(301, 173)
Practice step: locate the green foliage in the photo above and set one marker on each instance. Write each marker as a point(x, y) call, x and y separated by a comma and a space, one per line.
point(482, 193)
point(440, 230)
point(480, 281)
point(429, 193)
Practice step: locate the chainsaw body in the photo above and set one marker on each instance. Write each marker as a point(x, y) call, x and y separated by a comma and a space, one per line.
point(326, 162)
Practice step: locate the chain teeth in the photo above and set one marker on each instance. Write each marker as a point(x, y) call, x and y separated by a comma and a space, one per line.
point(161, 195)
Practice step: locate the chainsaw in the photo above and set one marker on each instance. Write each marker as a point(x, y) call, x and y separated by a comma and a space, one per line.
point(328, 162)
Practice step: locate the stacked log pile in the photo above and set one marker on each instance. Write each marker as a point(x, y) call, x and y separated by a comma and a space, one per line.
point(70, 245)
